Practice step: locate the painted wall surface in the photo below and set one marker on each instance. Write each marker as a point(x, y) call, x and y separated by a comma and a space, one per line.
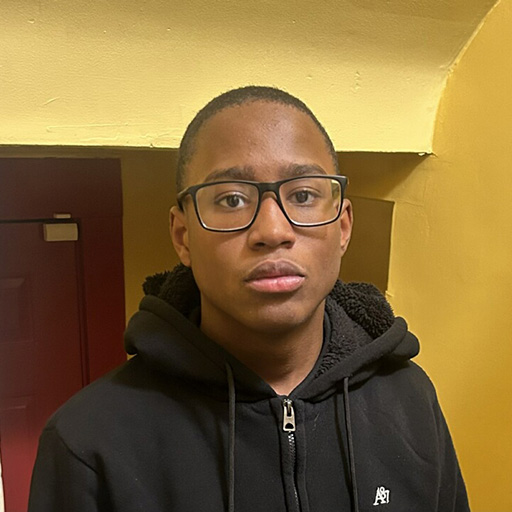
point(450, 272)
point(148, 193)
point(367, 257)
point(126, 73)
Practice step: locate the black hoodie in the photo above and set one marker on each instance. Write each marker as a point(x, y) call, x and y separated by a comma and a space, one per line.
point(184, 426)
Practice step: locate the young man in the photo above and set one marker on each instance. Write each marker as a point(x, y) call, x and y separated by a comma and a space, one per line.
point(260, 382)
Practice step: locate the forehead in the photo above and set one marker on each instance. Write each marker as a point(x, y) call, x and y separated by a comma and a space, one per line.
point(266, 137)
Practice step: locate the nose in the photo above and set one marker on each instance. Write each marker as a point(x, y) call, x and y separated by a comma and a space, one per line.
point(271, 228)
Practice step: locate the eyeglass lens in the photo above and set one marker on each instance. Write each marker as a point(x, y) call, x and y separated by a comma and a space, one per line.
point(306, 201)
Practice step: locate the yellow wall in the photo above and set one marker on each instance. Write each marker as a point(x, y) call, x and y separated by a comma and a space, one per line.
point(450, 270)
point(130, 73)
point(367, 258)
point(474, 143)
point(148, 193)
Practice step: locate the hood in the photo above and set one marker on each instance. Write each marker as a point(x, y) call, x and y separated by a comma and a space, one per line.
point(363, 334)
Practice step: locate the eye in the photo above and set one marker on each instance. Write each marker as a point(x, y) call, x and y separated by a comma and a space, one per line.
point(232, 200)
point(302, 197)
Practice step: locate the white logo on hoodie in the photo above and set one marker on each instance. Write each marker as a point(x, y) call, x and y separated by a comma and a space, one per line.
point(381, 496)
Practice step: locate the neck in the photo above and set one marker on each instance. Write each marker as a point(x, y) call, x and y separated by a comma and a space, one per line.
point(282, 359)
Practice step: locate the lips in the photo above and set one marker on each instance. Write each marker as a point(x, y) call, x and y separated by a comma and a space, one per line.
point(276, 277)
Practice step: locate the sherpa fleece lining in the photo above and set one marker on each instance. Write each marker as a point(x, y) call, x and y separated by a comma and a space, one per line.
point(357, 311)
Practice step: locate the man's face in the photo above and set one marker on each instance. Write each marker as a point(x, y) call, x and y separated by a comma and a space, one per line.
point(272, 277)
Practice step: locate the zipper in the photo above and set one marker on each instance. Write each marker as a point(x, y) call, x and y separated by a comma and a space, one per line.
point(288, 416)
point(289, 428)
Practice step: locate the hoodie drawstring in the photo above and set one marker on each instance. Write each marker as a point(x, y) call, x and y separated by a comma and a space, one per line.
point(352, 464)
point(231, 439)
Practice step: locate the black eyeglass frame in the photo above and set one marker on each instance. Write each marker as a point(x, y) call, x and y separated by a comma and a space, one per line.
point(270, 186)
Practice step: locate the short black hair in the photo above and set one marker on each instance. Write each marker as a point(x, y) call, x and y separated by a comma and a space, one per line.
point(233, 98)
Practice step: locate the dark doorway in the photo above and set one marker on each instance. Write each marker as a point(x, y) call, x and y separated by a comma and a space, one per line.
point(61, 296)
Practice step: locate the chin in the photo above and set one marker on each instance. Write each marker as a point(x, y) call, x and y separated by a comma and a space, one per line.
point(280, 319)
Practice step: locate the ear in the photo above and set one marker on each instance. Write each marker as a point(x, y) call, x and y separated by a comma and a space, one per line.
point(346, 220)
point(179, 234)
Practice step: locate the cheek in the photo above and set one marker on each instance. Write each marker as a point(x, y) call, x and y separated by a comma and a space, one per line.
point(213, 257)
point(329, 242)
point(328, 254)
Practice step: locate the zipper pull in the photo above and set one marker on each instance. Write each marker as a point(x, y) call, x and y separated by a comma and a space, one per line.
point(288, 416)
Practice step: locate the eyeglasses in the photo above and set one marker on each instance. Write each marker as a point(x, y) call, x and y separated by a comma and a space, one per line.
point(306, 201)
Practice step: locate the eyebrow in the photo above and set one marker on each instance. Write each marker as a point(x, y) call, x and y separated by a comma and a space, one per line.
point(303, 169)
point(235, 173)
point(247, 172)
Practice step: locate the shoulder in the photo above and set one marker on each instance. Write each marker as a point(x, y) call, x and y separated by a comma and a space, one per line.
point(410, 373)
point(104, 392)
point(403, 393)
point(107, 412)
point(402, 385)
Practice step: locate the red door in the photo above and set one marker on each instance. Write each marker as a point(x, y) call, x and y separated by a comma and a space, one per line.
point(54, 334)
point(39, 370)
